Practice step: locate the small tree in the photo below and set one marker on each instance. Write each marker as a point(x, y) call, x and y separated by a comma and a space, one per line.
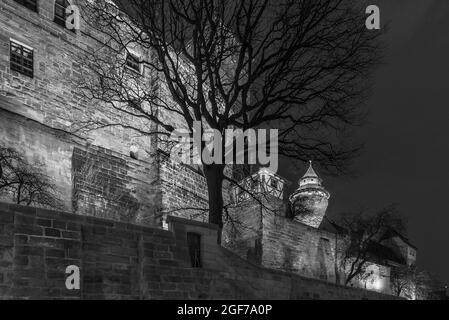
point(364, 235)
point(26, 183)
point(428, 286)
point(406, 281)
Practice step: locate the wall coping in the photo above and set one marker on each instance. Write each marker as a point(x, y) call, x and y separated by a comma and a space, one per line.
point(275, 272)
point(174, 219)
point(42, 212)
point(295, 222)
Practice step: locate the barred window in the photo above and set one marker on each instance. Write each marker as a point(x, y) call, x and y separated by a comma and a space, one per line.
point(22, 59)
point(133, 62)
point(194, 245)
point(60, 12)
point(30, 4)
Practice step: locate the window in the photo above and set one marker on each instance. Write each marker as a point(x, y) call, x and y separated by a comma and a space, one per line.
point(194, 244)
point(60, 13)
point(133, 62)
point(254, 182)
point(30, 4)
point(274, 183)
point(21, 59)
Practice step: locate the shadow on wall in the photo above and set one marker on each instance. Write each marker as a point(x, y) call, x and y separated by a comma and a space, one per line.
point(288, 259)
point(97, 188)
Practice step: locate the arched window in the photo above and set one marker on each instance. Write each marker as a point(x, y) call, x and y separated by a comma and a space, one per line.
point(60, 14)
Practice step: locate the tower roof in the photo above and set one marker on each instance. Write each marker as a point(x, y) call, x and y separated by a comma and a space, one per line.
point(310, 173)
point(310, 177)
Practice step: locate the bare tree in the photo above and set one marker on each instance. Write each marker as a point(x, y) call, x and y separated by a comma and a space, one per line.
point(428, 286)
point(299, 66)
point(26, 183)
point(363, 237)
point(91, 187)
point(406, 281)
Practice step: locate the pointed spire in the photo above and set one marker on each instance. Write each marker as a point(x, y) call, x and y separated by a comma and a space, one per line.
point(310, 173)
point(310, 177)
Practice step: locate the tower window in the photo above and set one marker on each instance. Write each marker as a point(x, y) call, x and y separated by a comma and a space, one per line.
point(273, 183)
point(30, 4)
point(22, 59)
point(133, 62)
point(60, 13)
point(194, 245)
point(254, 182)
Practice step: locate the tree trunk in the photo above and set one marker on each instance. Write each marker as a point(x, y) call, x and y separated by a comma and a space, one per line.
point(214, 177)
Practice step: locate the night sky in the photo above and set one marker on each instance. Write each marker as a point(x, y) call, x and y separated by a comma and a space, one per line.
point(406, 154)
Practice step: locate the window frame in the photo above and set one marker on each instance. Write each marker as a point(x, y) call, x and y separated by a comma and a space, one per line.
point(32, 5)
point(137, 61)
point(20, 66)
point(274, 183)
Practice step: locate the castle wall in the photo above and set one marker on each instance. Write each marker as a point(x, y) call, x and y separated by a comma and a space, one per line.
point(126, 261)
point(376, 277)
point(264, 235)
point(116, 186)
point(184, 190)
point(242, 233)
point(109, 185)
point(50, 99)
point(38, 143)
point(267, 237)
point(295, 247)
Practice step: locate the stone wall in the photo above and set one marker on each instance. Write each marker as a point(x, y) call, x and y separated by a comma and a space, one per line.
point(299, 248)
point(125, 261)
point(263, 234)
point(108, 185)
point(116, 186)
point(49, 98)
point(51, 110)
point(40, 144)
point(242, 234)
point(184, 190)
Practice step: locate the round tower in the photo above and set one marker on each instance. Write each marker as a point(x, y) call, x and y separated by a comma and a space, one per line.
point(309, 201)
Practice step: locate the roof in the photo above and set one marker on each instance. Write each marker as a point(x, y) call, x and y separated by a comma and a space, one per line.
point(310, 173)
point(381, 252)
point(377, 252)
point(331, 226)
point(394, 233)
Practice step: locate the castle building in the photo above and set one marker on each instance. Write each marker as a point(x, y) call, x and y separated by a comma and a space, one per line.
point(114, 173)
point(297, 237)
point(110, 172)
